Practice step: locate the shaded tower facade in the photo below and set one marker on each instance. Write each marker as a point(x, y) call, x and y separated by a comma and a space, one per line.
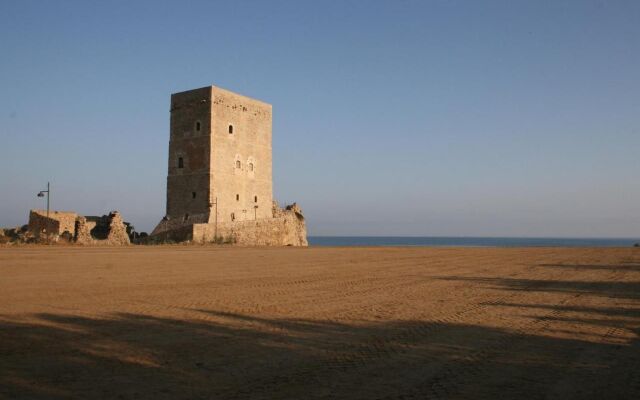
point(220, 163)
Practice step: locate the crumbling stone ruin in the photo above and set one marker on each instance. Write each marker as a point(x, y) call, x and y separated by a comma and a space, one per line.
point(69, 226)
point(56, 224)
point(19, 234)
point(219, 181)
point(108, 229)
point(285, 228)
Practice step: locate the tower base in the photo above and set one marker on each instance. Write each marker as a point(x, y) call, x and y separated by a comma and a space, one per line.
point(286, 228)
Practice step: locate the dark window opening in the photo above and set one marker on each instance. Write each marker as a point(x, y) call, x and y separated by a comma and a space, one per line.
point(180, 162)
point(197, 125)
point(230, 128)
point(233, 216)
point(238, 165)
point(186, 217)
point(255, 199)
point(237, 197)
point(193, 195)
point(250, 166)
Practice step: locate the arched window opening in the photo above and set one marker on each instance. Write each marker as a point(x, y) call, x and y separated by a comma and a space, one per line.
point(238, 164)
point(180, 162)
point(230, 129)
point(198, 126)
point(237, 197)
point(233, 216)
point(250, 166)
point(255, 199)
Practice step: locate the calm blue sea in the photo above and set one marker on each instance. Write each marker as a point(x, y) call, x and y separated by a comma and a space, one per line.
point(436, 241)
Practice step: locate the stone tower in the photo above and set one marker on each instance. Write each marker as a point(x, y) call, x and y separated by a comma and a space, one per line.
point(219, 152)
point(219, 180)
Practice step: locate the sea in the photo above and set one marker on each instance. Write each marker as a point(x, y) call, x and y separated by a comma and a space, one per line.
point(441, 241)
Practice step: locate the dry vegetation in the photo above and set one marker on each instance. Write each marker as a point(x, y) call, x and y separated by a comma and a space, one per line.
point(175, 322)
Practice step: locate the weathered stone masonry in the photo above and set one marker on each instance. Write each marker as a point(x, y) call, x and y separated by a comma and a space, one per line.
point(105, 230)
point(57, 223)
point(286, 228)
point(220, 171)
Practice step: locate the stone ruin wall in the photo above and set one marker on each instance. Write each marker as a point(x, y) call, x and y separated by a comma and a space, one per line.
point(106, 230)
point(57, 223)
point(287, 227)
point(177, 224)
point(112, 225)
point(286, 230)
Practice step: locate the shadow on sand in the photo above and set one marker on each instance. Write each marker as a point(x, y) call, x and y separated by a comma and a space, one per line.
point(213, 354)
point(609, 289)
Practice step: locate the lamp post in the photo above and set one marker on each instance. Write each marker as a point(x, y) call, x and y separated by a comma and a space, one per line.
point(41, 194)
point(215, 203)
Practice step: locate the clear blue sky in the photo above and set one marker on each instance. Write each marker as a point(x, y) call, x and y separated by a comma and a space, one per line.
point(490, 118)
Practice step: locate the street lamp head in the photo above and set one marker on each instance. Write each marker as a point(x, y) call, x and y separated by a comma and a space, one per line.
point(41, 194)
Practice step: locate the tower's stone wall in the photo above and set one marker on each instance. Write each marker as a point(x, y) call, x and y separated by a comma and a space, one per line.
point(241, 166)
point(189, 156)
point(219, 152)
point(286, 228)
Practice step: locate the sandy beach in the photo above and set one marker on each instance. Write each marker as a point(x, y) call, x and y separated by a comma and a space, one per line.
point(179, 322)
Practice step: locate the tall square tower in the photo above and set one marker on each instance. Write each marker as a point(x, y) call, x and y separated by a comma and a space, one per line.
point(219, 158)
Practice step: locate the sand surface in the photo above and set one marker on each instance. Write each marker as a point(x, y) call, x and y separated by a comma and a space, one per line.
point(183, 322)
